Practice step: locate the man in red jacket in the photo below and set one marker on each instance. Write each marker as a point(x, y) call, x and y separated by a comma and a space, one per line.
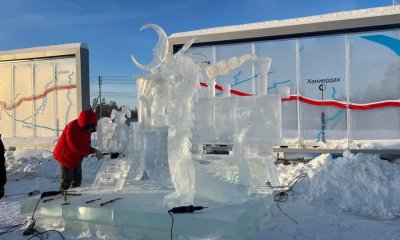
point(73, 146)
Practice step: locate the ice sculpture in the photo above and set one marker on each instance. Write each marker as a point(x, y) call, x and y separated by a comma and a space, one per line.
point(113, 132)
point(185, 149)
point(248, 127)
point(159, 51)
point(105, 131)
point(114, 135)
point(261, 67)
point(118, 142)
point(224, 67)
point(182, 75)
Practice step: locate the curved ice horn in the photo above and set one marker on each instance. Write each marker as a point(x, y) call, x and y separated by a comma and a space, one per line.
point(186, 46)
point(159, 51)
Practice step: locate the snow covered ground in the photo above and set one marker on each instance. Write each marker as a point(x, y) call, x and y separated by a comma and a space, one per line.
point(350, 197)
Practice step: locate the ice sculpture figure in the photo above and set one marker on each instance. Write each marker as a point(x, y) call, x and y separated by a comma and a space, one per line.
point(185, 149)
point(159, 51)
point(118, 142)
point(154, 157)
point(224, 67)
point(105, 130)
point(153, 103)
point(261, 68)
point(248, 126)
point(154, 130)
point(115, 136)
point(251, 126)
point(182, 75)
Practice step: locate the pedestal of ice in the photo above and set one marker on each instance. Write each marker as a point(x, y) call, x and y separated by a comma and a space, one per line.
point(140, 213)
point(261, 68)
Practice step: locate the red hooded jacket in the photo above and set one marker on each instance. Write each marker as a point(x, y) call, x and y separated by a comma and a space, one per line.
point(74, 143)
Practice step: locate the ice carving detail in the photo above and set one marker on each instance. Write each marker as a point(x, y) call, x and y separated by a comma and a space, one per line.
point(169, 100)
point(159, 51)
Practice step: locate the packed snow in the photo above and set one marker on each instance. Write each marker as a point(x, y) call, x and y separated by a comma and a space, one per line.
point(349, 197)
point(330, 17)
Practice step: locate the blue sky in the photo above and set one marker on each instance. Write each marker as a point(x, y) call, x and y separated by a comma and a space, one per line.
point(111, 28)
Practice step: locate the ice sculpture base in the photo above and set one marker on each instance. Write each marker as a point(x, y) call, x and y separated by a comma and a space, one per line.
point(141, 213)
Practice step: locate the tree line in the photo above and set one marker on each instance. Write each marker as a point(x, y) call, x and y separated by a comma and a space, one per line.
point(107, 107)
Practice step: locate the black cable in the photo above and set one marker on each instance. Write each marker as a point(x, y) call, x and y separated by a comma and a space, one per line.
point(277, 204)
point(283, 190)
point(59, 233)
point(44, 235)
point(12, 228)
point(30, 230)
point(31, 193)
point(34, 210)
point(282, 194)
point(36, 234)
point(18, 226)
point(172, 224)
point(183, 209)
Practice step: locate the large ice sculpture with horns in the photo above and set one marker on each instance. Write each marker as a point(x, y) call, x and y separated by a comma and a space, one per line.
point(216, 148)
point(190, 146)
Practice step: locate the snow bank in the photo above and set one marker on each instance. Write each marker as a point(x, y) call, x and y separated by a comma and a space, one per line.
point(326, 204)
point(40, 163)
point(360, 184)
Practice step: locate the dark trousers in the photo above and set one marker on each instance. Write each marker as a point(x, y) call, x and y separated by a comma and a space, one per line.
point(71, 177)
point(3, 174)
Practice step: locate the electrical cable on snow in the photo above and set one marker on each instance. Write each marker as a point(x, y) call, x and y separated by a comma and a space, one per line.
point(15, 227)
point(183, 209)
point(281, 193)
point(172, 224)
point(30, 228)
point(31, 193)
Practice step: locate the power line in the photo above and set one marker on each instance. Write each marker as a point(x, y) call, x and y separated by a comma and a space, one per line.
point(115, 83)
point(116, 92)
point(100, 82)
point(118, 95)
point(115, 76)
point(122, 76)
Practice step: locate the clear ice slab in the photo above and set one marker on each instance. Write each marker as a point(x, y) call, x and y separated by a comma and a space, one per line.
point(142, 212)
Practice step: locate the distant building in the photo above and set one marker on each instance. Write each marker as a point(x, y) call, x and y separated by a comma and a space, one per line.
point(41, 90)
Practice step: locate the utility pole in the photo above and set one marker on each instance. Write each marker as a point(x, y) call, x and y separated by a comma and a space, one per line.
point(100, 83)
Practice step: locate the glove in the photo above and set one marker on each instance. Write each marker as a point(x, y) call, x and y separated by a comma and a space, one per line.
point(98, 154)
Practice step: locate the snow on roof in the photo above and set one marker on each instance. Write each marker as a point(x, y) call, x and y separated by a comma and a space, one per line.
point(45, 48)
point(331, 17)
